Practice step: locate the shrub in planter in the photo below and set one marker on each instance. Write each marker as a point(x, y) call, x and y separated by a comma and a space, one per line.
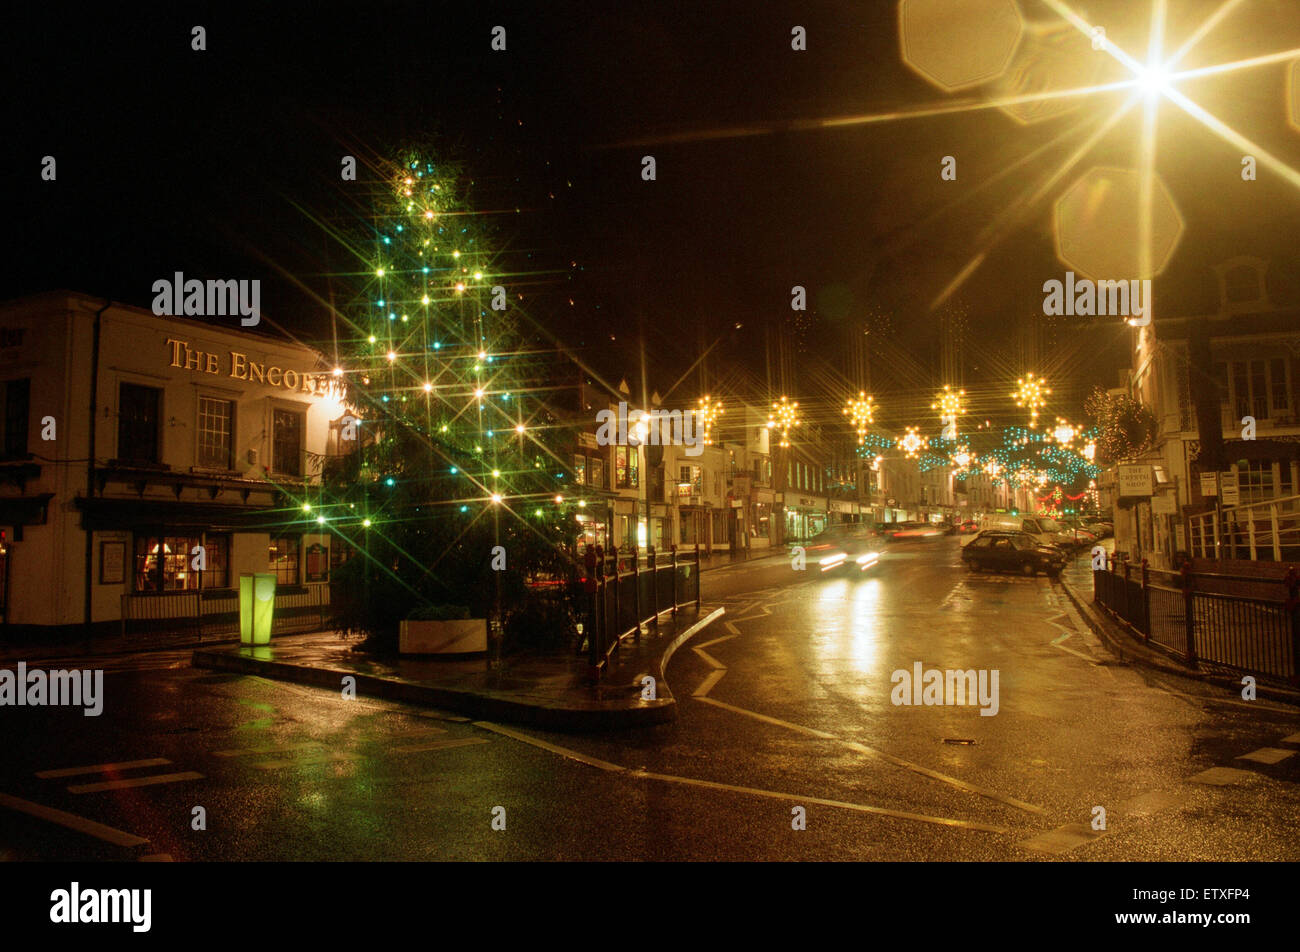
point(540, 625)
point(439, 613)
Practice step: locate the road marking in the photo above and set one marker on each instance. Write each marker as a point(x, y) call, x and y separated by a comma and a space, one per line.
point(1268, 755)
point(707, 684)
point(1293, 739)
point(1222, 776)
point(723, 638)
point(102, 768)
point(73, 822)
point(157, 858)
point(1146, 804)
point(268, 749)
point(709, 659)
point(334, 756)
point(1253, 705)
point(1062, 839)
point(896, 761)
point(553, 748)
point(439, 745)
point(839, 804)
point(135, 782)
point(753, 791)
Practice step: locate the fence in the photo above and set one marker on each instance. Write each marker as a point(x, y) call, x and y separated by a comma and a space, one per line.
point(1268, 531)
point(215, 614)
point(627, 590)
point(1178, 613)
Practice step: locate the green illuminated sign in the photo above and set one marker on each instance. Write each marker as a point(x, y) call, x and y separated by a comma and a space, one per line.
point(256, 605)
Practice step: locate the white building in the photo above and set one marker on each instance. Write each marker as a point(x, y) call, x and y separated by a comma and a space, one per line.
point(149, 461)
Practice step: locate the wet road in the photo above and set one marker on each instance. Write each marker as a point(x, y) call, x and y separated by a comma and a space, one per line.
point(789, 745)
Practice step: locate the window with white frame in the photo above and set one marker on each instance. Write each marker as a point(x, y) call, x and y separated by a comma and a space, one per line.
point(216, 432)
point(1260, 388)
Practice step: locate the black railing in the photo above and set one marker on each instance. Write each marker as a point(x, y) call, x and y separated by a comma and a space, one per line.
point(626, 590)
point(1190, 616)
point(215, 614)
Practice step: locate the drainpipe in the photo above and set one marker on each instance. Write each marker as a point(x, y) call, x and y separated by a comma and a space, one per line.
point(90, 469)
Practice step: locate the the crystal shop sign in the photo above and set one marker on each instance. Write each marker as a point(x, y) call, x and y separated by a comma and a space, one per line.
point(239, 366)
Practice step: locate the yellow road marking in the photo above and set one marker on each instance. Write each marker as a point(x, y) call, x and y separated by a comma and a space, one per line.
point(102, 768)
point(135, 782)
point(73, 822)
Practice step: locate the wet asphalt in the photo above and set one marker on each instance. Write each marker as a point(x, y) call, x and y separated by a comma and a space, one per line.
point(788, 745)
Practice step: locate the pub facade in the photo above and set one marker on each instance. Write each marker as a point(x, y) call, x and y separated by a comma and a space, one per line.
point(148, 462)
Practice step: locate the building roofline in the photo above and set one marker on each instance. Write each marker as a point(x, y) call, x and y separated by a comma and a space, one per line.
point(79, 300)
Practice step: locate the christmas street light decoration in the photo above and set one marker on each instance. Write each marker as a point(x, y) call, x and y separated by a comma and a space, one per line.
point(1064, 432)
point(912, 443)
point(784, 416)
point(706, 416)
point(861, 413)
point(1031, 393)
point(950, 406)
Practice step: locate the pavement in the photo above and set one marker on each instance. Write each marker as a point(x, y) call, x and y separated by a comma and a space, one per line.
point(554, 692)
point(1130, 648)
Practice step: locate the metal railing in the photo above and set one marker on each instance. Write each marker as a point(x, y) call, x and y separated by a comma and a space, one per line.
point(1260, 531)
point(215, 614)
point(1183, 615)
point(625, 590)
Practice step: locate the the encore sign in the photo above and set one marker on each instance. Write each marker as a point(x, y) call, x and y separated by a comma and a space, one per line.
point(242, 368)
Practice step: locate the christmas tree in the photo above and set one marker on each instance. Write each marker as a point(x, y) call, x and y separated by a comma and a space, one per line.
point(445, 490)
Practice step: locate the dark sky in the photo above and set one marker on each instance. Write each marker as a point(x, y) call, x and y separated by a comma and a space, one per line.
point(225, 163)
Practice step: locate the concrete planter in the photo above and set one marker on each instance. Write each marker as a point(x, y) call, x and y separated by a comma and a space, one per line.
point(461, 636)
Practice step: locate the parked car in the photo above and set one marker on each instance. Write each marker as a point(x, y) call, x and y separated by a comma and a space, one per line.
point(852, 544)
point(1102, 528)
point(1083, 535)
point(1002, 551)
point(969, 527)
point(1043, 535)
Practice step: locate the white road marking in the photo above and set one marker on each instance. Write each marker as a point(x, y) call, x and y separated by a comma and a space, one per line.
point(1268, 755)
point(1222, 776)
point(334, 756)
point(707, 684)
point(752, 791)
point(896, 761)
point(553, 748)
point(439, 745)
point(268, 749)
point(135, 782)
point(73, 822)
point(102, 768)
point(709, 659)
point(1062, 839)
point(839, 804)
